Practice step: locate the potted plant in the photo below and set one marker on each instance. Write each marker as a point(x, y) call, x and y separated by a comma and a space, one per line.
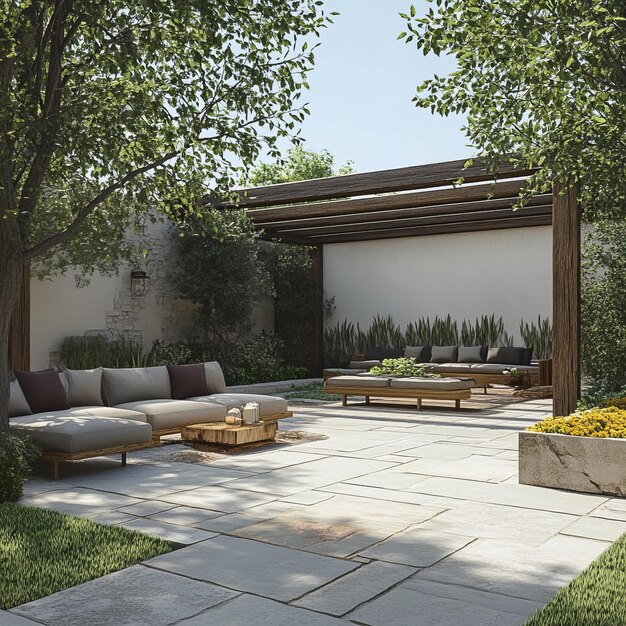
point(584, 451)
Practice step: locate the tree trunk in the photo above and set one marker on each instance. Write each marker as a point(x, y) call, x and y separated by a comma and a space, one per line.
point(10, 281)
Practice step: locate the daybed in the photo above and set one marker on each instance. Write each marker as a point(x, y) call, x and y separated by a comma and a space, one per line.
point(76, 414)
point(485, 366)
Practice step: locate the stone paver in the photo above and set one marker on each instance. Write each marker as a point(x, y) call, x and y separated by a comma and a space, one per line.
point(417, 547)
point(10, 619)
point(343, 595)
point(133, 597)
point(263, 569)
point(396, 518)
point(249, 610)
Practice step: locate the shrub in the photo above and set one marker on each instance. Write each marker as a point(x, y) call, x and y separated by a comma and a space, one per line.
point(598, 422)
point(17, 455)
point(601, 396)
point(538, 336)
point(99, 351)
point(402, 367)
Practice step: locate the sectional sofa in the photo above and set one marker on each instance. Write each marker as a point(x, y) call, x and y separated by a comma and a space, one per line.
point(485, 366)
point(77, 414)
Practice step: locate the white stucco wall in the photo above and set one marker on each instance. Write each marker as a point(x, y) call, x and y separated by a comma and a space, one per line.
point(506, 272)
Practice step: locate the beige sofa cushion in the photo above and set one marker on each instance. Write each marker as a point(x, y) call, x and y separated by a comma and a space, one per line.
point(363, 365)
point(268, 405)
point(451, 368)
point(123, 385)
point(93, 411)
point(17, 400)
point(432, 384)
point(162, 414)
point(84, 387)
point(499, 368)
point(81, 433)
point(214, 377)
point(357, 381)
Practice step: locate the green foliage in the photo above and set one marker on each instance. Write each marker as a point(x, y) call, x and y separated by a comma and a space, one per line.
point(99, 351)
point(598, 395)
point(603, 304)
point(485, 331)
point(384, 332)
point(17, 454)
point(539, 336)
point(594, 598)
point(300, 164)
point(223, 271)
point(315, 391)
point(43, 552)
point(540, 82)
point(402, 367)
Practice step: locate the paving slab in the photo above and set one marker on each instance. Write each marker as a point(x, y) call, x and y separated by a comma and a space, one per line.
point(307, 498)
point(78, 501)
point(422, 603)
point(274, 509)
point(11, 619)
point(146, 508)
point(217, 498)
point(474, 467)
point(133, 597)
point(259, 568)
point(444, 450)
point(185, 515)
point(596, 528)
point(174, 533)
point(517, 570)
point(393, 478)
point(611, 509)
point(347, 592)
point(247, 610)
point(229, 522)
point(307, 476)
point(417, 547)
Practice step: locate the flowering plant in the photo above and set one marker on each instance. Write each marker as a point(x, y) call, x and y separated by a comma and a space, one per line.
point(598, 422)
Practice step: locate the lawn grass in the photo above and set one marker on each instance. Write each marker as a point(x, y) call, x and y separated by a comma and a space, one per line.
point(596, 598)
point(314, 391)
point(42, 552)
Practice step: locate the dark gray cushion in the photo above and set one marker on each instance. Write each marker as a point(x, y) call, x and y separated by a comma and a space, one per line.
point(215, 381)
point(413, 352)
point(470, 354)
point(17, 401)
point(363, 365)
point(443, 354)
point(84, 387)
point(510, 355)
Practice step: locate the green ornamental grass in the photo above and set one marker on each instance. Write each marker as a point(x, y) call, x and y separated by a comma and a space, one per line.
point(42, 552)
point(596, 598)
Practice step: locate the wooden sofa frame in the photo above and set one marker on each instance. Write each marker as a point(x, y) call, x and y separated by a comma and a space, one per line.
point(391, 392)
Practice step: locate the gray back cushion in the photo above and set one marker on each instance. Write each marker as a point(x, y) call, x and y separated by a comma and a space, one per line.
point(214, 377)
point(84, 387)
point(132, 384)
point(443, 354)
point(413, 352)
point(17, 401)
point(470, 354)
point(510, 356)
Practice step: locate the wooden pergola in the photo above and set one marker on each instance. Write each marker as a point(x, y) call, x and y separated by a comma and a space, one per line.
point(430, 200)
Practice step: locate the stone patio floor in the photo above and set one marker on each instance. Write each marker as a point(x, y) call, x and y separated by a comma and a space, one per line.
point(397, 518)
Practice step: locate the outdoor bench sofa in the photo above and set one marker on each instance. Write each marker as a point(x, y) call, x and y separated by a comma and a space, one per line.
point(485, 366)
point(77, 414)
point(416, 388)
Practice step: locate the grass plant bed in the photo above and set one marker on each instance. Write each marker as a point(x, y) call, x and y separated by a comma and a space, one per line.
point(595, 598)
point(42, 552)
point(315, 391)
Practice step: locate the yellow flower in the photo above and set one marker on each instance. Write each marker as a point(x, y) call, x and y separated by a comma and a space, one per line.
point(597, 422)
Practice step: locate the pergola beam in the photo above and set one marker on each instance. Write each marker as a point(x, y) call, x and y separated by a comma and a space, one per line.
point(385, 181)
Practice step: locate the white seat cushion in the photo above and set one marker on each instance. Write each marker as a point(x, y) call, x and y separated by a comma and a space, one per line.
point(357, 381)
point(499, 368)
point(93, 411)
point(268, 405)
point(452, 368)
point(163, 414)
point(432, 384)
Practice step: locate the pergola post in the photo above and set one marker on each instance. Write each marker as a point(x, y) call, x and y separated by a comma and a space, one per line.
point(317, 338)
point(566, 298)
point(19, 332)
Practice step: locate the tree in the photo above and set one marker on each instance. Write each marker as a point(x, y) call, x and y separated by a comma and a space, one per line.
point(109, 108)
point(542, 82)
point(295, 291)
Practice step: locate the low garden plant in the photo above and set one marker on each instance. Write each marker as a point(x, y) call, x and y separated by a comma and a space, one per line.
point(403, 367)
point(42, 552)
point(17, 454)
point(599, 422)
point(595, 598)
point(314, 391)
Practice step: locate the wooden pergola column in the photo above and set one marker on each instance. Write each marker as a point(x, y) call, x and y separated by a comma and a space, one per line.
point(566, 298)
point(317, 338)
point(19, 333)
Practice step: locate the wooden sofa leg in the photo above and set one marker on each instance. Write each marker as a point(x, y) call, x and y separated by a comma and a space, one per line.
point(457, 404)
point(344, 401)
point(55, 470)
point(485, 389)
point(419, 404)
point(123, 459)
point(367, 399)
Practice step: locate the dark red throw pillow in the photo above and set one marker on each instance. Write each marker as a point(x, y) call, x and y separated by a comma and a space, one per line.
point(187, 381)
point(43, 391)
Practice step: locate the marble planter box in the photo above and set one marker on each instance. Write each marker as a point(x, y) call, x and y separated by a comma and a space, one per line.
point(588, 464)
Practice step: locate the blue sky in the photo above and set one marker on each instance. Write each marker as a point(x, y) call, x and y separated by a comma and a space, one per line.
point(362, 87)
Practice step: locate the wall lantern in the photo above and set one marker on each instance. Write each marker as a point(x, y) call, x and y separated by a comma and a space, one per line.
point(139, 282)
